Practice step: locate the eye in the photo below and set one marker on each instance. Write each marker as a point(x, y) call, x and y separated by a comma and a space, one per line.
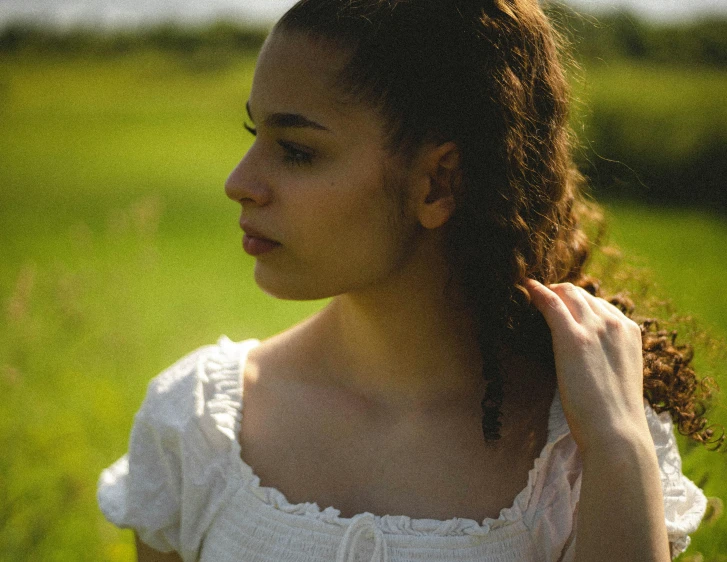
point(250, 129)
point(295, 155)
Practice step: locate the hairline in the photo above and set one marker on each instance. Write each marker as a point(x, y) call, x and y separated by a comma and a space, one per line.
point(333, 43)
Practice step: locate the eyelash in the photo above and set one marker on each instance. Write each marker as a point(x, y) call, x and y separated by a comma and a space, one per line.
point(293, 155)
point(250, 129)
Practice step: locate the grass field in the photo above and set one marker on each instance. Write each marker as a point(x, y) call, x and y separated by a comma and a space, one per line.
point(669, 109)
point(120, 254)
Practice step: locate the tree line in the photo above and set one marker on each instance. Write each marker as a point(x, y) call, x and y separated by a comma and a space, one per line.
point(613, 35)
point(623, 35)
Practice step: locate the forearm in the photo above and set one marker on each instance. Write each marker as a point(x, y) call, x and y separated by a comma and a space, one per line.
point(621, 511)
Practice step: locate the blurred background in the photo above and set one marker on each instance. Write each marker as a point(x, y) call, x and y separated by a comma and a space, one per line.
point(119, 252)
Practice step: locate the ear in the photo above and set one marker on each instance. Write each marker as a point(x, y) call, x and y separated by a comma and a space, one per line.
point(439, 180)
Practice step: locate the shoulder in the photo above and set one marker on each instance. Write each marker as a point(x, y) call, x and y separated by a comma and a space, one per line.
point(193, 387)
point(171, 393)
point(291, 353)
point(176, 472)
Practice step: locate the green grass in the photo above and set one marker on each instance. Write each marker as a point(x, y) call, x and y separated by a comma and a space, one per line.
point(655, 90)
point(685, 251)
point(120, 254)
point(680, 254)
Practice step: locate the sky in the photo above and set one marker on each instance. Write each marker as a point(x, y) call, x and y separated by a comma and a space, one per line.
point(131, 12)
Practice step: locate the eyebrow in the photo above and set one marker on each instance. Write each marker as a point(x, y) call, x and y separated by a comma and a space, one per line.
point(288, 121)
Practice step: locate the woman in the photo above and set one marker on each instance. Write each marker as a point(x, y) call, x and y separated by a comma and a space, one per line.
point(412, 162)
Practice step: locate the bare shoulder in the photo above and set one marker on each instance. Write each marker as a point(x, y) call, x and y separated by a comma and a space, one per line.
point(145, 553)
point(285, 356)
point(276, 386)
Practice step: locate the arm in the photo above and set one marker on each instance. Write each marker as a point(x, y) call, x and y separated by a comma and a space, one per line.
point(598, 362)
point(145, 553)
point(621, 512)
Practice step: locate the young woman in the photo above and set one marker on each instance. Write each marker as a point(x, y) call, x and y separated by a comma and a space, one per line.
point(461, 397)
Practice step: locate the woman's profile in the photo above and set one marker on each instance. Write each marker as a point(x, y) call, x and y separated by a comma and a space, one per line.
point(465, 395)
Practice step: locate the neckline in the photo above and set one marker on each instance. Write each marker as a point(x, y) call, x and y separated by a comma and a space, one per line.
point(235, 357)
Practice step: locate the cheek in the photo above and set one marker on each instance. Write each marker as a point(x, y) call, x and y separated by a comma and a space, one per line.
point(342, 237)
point(354, 210)
point(345, 220)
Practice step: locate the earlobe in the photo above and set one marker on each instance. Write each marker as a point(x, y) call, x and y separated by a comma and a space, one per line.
point(442, 179)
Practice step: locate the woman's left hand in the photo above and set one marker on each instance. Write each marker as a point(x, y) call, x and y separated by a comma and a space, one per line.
point(598, 361)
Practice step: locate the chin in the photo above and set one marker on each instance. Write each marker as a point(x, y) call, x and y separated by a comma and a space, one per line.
point(291, 289)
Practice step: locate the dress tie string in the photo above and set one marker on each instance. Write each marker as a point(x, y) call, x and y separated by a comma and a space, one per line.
point(363, 526)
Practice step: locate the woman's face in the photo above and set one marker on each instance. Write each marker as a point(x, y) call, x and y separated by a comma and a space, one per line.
point(318, 180)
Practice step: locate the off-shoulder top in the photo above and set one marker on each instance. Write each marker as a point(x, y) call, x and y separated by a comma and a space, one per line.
point(184, 487)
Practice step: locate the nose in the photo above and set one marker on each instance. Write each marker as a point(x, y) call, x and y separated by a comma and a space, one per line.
point(244, 185)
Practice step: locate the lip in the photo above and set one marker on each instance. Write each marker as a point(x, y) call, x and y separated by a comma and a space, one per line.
point(255, 242)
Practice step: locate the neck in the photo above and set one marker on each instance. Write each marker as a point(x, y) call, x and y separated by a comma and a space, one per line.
point(409, 343)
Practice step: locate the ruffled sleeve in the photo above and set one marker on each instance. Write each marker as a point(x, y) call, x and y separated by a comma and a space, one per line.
point(553, 505)
point(684, 502)
point(176, 474)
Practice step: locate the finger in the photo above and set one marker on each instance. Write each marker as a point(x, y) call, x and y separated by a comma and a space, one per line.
point(599, 306)
point(550, 305)
point(603, 308)
point(616, 313)
point(574, 299)
point(611, 314)
point(613, 308)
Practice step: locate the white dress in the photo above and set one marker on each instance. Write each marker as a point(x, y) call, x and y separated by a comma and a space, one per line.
point(183, 487)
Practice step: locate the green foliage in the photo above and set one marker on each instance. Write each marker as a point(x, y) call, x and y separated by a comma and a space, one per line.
point(120, 254)
point(654, 126)
point(220, 37)
point(654, 133)
point(623, 35)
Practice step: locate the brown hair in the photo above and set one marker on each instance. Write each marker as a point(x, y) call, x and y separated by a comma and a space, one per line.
point(487, 74)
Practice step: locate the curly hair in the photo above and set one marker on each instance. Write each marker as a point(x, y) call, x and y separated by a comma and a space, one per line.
point(488, 75)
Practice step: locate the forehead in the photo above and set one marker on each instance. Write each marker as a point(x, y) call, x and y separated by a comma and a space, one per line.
point(294, 71)
point(298, 74)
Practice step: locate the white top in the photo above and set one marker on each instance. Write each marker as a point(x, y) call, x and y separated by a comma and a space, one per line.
point(183, 487)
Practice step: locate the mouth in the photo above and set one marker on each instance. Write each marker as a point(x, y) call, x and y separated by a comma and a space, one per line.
point(255, 243)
